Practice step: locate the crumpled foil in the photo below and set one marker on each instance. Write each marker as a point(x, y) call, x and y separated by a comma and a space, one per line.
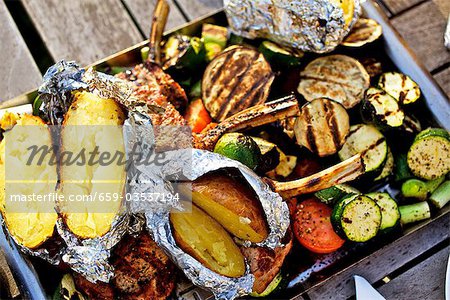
point(190, 164)
point(309, 25)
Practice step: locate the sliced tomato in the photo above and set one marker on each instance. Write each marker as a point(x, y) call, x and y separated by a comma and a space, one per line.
point(313, 229)
point(197, 116)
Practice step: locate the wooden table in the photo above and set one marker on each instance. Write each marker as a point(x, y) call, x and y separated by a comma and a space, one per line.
point(36, 33)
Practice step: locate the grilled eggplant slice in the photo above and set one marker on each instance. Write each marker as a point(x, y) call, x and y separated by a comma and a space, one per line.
point(237, 79)
point(367, 141)
point(100, 131)
point(231, 204)
point(202, 237)
point(400, 86)
point(380, 108)
point(322, 126)
point(363, 32)
point(337, 77)
point(30, 223)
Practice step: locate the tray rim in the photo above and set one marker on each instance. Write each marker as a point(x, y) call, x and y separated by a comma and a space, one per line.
point(396, 48)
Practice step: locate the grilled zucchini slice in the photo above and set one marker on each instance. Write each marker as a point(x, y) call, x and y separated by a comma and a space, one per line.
point(30, 223)
point(380, 108)
point(338, 77)
point(92, 122)
point(370, 143)
point(388, 167)
point(361, 219)
point(363, 32)
point(280, 55)
point(429, 155)
point(390, 214)
point(322, 126)
point(336, 214)
point(238, 78)
point(400, 86)
point(333, 194)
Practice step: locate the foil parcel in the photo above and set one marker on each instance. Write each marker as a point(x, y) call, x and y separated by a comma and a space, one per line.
point(309, 25)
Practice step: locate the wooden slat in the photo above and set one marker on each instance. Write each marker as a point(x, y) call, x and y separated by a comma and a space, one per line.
point(424, 281)
point(443, 78)
point(384, 261)
point(423, 28)
point(142, 12)
point(198, 8)
point(444, 6)
point(18, 71)
point(83, 30)
point(397, 6)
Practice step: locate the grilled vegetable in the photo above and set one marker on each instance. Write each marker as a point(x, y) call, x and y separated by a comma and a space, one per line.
point(336, 214)
point(280, 56)
point(236, 79)
point(203, 238)
point(441, 196)
point(415, 188)
point(380, 108)
point(429, 155)
point(414, 212)
point(401, 169)
point(285, 167)
point(411, 125)
point(181, 51)
point(322, 126)
point(400, 86)
point(231, 204)
point(270, 288)
point(372, 66)
point(336, 77)
point(390, 214)
point(333, 194)
point(239, 147)
point(313, 229)
point(197, 116)
point(196, 90)
point(388, 167)
point(360, 219)
point(363, 32)
point(92, 124)
point(144, 53)
point(215, 39)
point(370, 143)
point(270, 155)
point(30, 223)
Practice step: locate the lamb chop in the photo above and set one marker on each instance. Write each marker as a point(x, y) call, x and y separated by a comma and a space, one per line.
point(142, 271)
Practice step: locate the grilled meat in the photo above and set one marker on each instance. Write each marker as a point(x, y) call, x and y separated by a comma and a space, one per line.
point(158, 88)
point(141, 271)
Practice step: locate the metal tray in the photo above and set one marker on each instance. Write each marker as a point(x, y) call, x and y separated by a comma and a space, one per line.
point(394, 47)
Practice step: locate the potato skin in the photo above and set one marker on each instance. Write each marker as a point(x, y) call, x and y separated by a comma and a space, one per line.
point(231, 204)
point(203, 238)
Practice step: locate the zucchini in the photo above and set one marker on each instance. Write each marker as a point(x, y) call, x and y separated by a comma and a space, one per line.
point(400, 86)
point(401, 169)
point(196, 90)
point(239, 147)
point(415, 188)
point(285, 167)
point(370, 143)
point(429, 155)
point(215, 39)
point(322, 126)
point(411, 125)
point(388, 167)
point(361, 219)
point(333, 194)
point(236, 79)
point(336, 214)
point(441, 196)
point(270, 156)
point(144, 53)
point(380, 108)
point(390, 214)
point(270, 288)
point(363, 32)
point(280, 56)
point(338, 77)
point(181, 51)
point(414, 212)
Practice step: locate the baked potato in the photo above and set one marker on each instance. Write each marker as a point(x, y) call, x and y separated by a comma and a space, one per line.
point(199, 235)
point(31, 223)
point(92, 124)
point(231, 204)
